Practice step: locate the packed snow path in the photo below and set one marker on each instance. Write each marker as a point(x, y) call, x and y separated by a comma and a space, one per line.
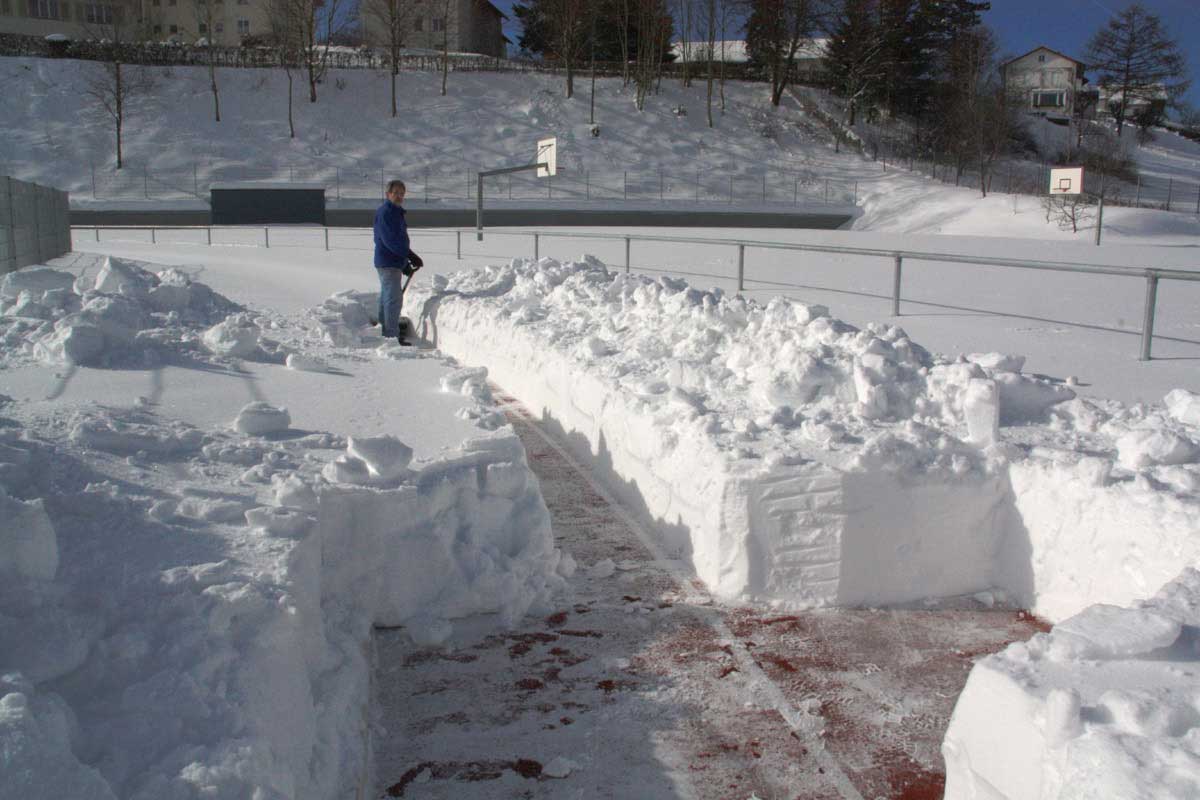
point(638, 685)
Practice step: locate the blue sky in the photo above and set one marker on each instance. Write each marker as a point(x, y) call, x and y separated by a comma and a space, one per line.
point(1064, 25)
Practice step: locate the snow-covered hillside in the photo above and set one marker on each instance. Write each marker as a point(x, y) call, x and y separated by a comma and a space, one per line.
point(347, 140)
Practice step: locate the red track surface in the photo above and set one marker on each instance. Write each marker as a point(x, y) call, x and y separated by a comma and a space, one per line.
point(653, 692)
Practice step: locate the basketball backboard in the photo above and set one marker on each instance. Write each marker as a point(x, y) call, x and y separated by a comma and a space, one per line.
point(1066, 180)
point(547, 153)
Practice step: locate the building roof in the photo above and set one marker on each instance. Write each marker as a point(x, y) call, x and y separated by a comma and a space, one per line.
point(1081, 65)
point(492, 6)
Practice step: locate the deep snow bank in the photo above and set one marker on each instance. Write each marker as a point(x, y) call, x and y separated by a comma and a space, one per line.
point(1104, 706)
point(796, 458)
point(184, 611)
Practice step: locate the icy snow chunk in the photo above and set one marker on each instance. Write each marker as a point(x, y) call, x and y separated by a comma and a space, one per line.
point(304, 363)
point(119, 277)
point(1104, 631)
point(73, 344)
point(257, 418)
point(347, 469)
point(1184, 406)
point(277, 521)
point(567, 565)
point(560, 767)
point(1062, 721)
point(1025, 399)
point(1148, 447)
point(602, 569)
point(236, 336)
point(997, 362)
point(35, 738)
point(210, 509)
point(506, 479)
point(35, 280)
point(470, 382)
point(385, 457)
point(294, 492)
point(981, 407)
point(28, 543)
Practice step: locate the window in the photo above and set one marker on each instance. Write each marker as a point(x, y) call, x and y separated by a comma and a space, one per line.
point(439, 24)
point(158, 28)
point(418, 24)
point(1049, 99)
point(220, 27)
point(1042, 58)
point(174, 29)
point(203, 28)
point(44, 9)
point(4, 7)
point(243, 27)
point(98, 14)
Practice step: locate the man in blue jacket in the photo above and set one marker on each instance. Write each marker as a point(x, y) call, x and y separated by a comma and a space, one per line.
point(393, 259)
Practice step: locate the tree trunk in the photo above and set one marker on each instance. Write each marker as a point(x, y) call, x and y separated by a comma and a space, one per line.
point(212, 76)
point(119, 105)
point(394, 87)
point(291, 121)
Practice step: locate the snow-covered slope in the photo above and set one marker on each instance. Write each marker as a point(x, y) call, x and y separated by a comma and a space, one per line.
point(348, 140)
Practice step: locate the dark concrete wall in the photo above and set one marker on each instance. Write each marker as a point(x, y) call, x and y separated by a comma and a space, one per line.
point(510, 217)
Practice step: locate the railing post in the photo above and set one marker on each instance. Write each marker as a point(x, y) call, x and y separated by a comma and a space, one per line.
point(899, 261)
point(458, 244)
point(97, 233)
point(37, 225)
point(12, 223)
point(1148, 315)
point(153, 236)
point(660, 184)
point(537, 248)
point(795, 190)
point(479, 208)
point(208, 231)
point(1137, 200)
point(626, 184)
point(267, 237)
point(856, 193)
point(626, 255)
point(1170, 188)
point(327, 238)
point(1100, 214)
point(741, 267)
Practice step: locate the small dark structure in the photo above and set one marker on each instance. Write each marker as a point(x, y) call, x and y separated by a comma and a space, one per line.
point(258, 203)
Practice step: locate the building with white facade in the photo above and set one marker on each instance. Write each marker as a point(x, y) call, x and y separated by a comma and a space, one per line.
point(222, 22)
point(464, 26)
point(1048, 82)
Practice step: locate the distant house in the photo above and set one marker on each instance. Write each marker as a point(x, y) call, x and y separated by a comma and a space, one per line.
point(1048, 83)
point(466, 26)
point(225, 22)
point(733, 51)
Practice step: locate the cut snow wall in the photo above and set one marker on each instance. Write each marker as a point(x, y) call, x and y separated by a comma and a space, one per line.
point(805, 533)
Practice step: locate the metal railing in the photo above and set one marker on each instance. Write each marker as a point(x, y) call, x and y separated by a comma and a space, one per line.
point(34, 224)
point(1151, 276)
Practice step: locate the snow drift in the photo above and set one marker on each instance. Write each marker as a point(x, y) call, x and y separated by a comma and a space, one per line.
point(186, 610)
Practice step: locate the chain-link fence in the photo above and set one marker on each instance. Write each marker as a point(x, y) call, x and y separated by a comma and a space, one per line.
point(640, 185)
point(35, 224)
point(1033, 178)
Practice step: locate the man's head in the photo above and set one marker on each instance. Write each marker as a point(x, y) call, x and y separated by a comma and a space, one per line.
point(395, 192)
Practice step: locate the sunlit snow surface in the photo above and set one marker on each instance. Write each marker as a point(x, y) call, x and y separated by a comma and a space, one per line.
point(198, 535)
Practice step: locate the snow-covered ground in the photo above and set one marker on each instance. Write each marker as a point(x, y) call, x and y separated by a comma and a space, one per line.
point(166, 515)
point(215, 478)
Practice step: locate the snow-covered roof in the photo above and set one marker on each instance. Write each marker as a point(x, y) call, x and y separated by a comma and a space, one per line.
point(735, 50)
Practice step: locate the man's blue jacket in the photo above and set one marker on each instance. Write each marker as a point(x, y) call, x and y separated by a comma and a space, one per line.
point(391, 236)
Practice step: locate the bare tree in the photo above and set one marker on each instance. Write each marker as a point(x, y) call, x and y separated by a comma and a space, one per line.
point(311, 25)
point(569, 22)
point(202, 12)
point(979, 115)
point(1136, 62)
point(775, 32)
point(687, 48)
point(286, 22)
point(709, 21)
point(393, 20)
point(115, 84)
point(444, 7)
